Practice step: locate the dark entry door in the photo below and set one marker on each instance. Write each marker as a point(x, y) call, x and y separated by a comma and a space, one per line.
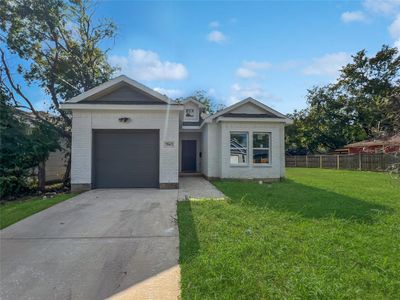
point(189, 156)
point(125, 158)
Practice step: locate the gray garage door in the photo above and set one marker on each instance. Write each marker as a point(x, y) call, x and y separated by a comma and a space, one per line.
point(125, 158)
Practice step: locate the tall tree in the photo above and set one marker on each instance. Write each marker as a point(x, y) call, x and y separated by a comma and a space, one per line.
point(368, 85)
point(363, 103)
point(59, 43)
point(24, 144)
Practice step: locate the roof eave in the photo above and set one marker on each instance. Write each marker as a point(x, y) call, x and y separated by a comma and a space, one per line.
point(286, 121)
point(122, 78)
point(77, 106)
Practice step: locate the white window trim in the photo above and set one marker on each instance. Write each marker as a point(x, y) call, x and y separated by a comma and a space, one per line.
point(195, 118)
point(246, 164)
point(266, 148)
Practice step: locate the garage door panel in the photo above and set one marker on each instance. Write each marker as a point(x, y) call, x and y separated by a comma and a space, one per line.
point(125, 158)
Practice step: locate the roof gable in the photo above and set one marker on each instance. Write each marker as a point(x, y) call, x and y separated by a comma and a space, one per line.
point(192, 100)
point(121, 90)
point(248, 107)
point(122, 93)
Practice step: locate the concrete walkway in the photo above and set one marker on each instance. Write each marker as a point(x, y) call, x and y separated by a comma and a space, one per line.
point(118, 243)
point(196, 187)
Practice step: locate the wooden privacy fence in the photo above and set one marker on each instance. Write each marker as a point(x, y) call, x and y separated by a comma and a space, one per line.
point(363, 162)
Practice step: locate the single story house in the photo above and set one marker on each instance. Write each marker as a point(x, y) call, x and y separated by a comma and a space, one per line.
point(125, 134)
point(388, 144)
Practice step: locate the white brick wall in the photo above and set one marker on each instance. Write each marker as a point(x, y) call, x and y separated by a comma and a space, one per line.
point(215, 144)
point(84, 121)
point(204, 150)
point(211, 150)
point(81, 148)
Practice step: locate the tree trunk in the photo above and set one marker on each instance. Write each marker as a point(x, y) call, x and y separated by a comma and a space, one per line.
point(66, 179)
point(42, 176)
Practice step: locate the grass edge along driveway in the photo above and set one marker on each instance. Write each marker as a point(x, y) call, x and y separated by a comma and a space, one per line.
point(13, 211)
point(320, 234)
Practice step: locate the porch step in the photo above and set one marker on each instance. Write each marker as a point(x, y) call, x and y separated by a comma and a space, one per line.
point(184, 174)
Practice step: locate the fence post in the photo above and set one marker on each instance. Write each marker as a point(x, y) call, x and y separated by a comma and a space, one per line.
point(295, 161)
point(320, 161)
point(337, 162)
point(359, 161)
point(306, 161)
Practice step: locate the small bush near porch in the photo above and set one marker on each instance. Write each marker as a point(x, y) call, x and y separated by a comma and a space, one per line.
point(320, 234)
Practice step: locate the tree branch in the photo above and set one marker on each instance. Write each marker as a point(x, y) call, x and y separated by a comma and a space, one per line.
point(16, 87)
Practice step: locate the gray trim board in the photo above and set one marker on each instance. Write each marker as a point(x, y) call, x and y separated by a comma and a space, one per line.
point(80, 187)
point(243, 115)
point(198, 123)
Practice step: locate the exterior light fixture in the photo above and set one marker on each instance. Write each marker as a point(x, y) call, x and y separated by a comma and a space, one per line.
point(124, 120)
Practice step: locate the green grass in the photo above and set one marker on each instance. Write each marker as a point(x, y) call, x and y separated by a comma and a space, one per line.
point(320, 234)
point(14, 211)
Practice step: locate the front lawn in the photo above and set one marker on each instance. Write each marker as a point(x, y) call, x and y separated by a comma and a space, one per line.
point(14, 211)
point(320, 234)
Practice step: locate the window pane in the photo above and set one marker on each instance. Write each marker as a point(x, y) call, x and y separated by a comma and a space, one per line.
point(238, 148)
point(260, 140)
point(189, 112)
point(260, 156)
point(239, 139)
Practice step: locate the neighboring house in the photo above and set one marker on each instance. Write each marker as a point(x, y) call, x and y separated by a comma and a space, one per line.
point(125, 134)
point(390, 144)
point(56, 163)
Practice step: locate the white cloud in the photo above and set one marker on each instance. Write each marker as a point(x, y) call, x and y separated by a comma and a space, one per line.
point(245, 73)
point(214, 24)
point(353, 16)
point(211, 92)
point(394, 28)
point(397, 44)
point(248, 68)
point(216, 36)
point(329, 64)
point(256, 91)
point(146, 65)
point(256, 65)
point(386, 7)
point(289, 64)
point(171, 93)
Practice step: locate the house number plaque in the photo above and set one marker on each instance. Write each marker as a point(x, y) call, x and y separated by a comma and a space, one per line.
point(169, 144)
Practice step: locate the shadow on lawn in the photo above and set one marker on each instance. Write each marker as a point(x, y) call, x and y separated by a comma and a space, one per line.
point(188, 240)
point(306, 201)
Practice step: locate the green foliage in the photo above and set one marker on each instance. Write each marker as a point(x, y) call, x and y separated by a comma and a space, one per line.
point(202, 96)
point(12, 212)
point(24, 144)
point(61, 41)
point(314, 235)
point(363, 103)
point(61, 45)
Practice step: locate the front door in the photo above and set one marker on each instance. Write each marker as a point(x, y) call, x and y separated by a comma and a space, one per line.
point(188, 156)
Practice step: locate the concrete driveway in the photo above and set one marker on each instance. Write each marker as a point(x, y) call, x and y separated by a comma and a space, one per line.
point(120, 243)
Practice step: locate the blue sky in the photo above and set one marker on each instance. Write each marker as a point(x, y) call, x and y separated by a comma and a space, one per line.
point(272, 51)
